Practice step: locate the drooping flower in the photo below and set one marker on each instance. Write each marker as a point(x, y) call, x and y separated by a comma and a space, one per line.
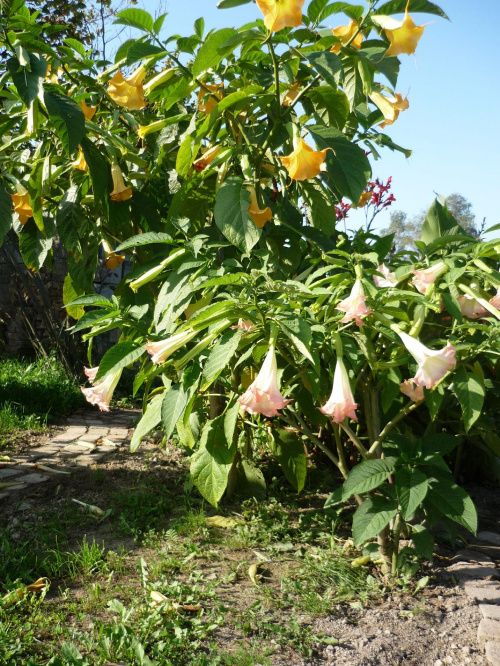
point(111, 259)
point(363, 200)
point(263, 395)
point(412, 390)
point(91, 373)
point(100, 393)
point(432, 364)
point(495, 301)
point(80, 162)
point(144, 130)
point(207, 158)
point(389, 279)
point(354, 305)
point(128, 92)
point(471, 308)
point(88, 111)
point(341, 402)
point(121, 192)
point(22, 206)
point(244, 325)
point(403, 35)
point(424, 278)
point(345, 33)
point(279, 14)
point(390, 106)
point(207, 102)
point(291, 95)
point(162, 349)
point(303, 162)
point(259, 215)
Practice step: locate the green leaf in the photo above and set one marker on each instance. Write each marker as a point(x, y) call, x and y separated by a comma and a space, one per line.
point(371, 518)
point(452, 306)
point(6, 213)
point(299, 332)
point(150, 419)
point(366, 476)
point(70, 295)
point(199, 27)
point(232, 217)
point(219, 357)
point(70, 219)
point(452, 501)
point(439, 222)
point(91, 299)
point(228, 4)
point(347, 165)
point(411, 486)
point(320, 205)
point(416, 6)
point(211, 54)
point(174, 403)
point(470, 395)
point(135, 18)
point(331, 105)
point(76, 46)
point(67, 118)
point(33, 246)
point(145, 239)
point(140, 50)
point(251, 481)
point(440, 444)
point(98, 167)
point(289, 450)
point(423, 541)
point(119, 356)
point(28, 82)
point(327, 64)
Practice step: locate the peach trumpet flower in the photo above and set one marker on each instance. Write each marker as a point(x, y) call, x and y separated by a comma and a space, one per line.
point(345, 33)
point(354, 305)
point(389, 279)
point(412, 390)
point(244, 325)
point(128, 92)
point(100, 393)
point(304, 162)
point(432, 364)
point(162, 349)
point(471, 308)
point(121, 192)
point(424, 278)
point(22, 206)
point(259, 215)
point(341, 402)
point(201, 163)
point(111, 259)
point(495, 301)
point(279, 14)
point(91, 373)
point(263, 395)
point(390, 106)
point(403, 35)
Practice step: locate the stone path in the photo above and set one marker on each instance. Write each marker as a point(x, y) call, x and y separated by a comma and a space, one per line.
point(87, 439)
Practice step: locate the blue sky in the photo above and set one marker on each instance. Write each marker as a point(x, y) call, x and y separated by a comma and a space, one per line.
point(454, 94)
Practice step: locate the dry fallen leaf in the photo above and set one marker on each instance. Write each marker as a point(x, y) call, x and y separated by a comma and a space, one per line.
point(253, 573)
point(49, 469)
point(93, 509)
point(222, 521)
point(16, 595)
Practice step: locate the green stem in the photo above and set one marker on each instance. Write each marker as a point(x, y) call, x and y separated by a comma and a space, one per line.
point(302, 427)
point(399, 417)
point(395, 549)
point(276, 78)
point(355, 440)
point(340, 452)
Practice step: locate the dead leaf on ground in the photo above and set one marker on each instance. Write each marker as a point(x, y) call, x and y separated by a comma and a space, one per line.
point(222, 521)
point(16, 595)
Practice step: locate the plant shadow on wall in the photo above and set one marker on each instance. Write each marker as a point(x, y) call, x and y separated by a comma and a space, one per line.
point(222, 163)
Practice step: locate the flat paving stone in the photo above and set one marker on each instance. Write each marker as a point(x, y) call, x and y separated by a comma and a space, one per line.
point(7, 472)
point(483, 594)
point(489, 630)
point(492, 538)
point(493, 653)
point(33, 478)
point(471, 556)
point(473, 571)
point(118, 432)
point(490, 611)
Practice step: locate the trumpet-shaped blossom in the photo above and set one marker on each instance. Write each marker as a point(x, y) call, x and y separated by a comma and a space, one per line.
point(403, 35)
point(304, 162)
point(364, 199)
point(207, 102)
point(471, 308)
point(100, 393)
point(390, 106)
point(244, 325)
point(121, 192)
point(432, 364)
point(354, 305)
point(263, 395)
point(207, 158)
point(341, 402)
point(424, 278)
point(88, 111)
point(128, 92)
point(22, 206)
point(345, 33)
point(414, 392)
point(259, 215)
point(279, 14)
point(291, 95)
point(91, 373)
point(80, 162)
point(111, 259)
point(495, 301)
point(162, 349)
point(389, 279)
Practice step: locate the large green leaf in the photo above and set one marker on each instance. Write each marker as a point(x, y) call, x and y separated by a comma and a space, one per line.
point(228, 4)
point(70, 295)
point(28, 82)
point(451, 501)
point(232, 217)
point(470, 395)
point(119, 356)
point(327, 64)
point(145, 239)
point(320, 205)
point(6, 213)
point(299, 332)
point(98, 168)
point(220, 356)
point(212, 51)
point(136, 18)
point(33, 246)
point(289, 450)
point(371, 518)
point(150, 419)
point(69, 219)
point(411, 486)
point(366, 476)
point(439, 222)
point(174, 403)
point(347, 165)
point(422, 6)
point(67, 118)
point(331, 105)
point(423, 541)
point(439, 443)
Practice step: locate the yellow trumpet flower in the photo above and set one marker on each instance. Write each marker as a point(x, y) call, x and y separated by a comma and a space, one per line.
point(128, 92)
point(207, 102)
point(303, 162)
point(80, 162)
point(120, 191)
point(390, 106)
point(111, 259)
point(259, 215)
point(404, 36)
point(88, 111)
point(279, 14)
point(291, 95)
point(207, 158)
point(22, 206)
point(345, 33)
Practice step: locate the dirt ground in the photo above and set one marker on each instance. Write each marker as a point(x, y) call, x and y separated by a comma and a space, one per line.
point(396, 627)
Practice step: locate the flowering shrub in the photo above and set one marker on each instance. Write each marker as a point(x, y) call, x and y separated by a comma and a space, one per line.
point(222, 164)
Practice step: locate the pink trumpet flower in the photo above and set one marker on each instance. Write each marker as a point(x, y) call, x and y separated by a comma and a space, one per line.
point(495, 301)
point(90, 373)
point(100, 394)
point(471, 308)
point(162, 349)
point(432, 364)
point(414, 392)
point(354, 305)
point(389, 279)
point(341, 402)
point(424, 278)
point(244, 325)
point(263, 395)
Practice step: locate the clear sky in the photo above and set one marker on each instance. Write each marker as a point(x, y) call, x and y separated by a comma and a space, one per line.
point(453, 86)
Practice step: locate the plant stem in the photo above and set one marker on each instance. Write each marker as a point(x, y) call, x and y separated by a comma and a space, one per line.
point(395, 550)
point(340, 451)
point(399, 417)
point(302, 427)
point(276, 78)
point(355, 440)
